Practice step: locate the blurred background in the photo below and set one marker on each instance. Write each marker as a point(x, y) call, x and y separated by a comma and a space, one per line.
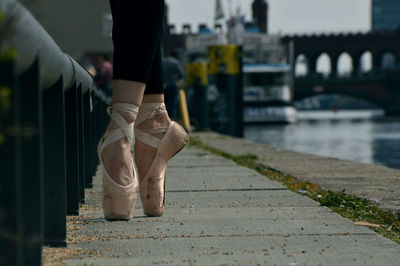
point(316, 76)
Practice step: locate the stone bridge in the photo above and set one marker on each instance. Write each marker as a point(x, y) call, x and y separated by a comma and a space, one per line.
point(372, 72)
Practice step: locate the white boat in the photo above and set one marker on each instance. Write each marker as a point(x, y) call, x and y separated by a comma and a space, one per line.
point(267, 94)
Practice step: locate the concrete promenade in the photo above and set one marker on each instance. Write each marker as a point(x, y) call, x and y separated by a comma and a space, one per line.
point(359, 179)
point(219, 213)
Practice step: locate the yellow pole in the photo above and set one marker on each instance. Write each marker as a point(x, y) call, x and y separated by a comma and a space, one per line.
point(184, 110)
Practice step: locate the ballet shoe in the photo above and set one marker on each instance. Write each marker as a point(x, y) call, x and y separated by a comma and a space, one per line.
point(174, 139)
point(118, 200)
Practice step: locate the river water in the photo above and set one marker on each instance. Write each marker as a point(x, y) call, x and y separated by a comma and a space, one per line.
point(345, 135)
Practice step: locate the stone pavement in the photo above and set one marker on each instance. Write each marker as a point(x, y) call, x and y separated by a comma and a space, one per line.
point(359, 179)
point(218, 213)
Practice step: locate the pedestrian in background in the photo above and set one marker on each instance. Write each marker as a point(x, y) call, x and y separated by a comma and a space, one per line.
point(104, 73)
point(173, 76)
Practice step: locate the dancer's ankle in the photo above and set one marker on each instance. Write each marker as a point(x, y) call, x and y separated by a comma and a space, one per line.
point(129, 118)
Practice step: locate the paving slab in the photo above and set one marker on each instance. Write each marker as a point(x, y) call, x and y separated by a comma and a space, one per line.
point(226, 215)
point(271, 250)
point(359, 179)
point(229, 222)
point(220, 178)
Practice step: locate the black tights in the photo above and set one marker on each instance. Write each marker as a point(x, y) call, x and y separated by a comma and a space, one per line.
point(136, 35)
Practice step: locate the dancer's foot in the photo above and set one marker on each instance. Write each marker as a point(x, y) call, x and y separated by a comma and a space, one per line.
point(158, 139)
point(119, 186)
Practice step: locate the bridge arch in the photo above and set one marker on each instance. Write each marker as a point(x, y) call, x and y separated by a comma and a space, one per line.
point(358, 49)
point(301, 67)
point(366, 62)
point(324, 65)
point(344, 65)
point(388, 60)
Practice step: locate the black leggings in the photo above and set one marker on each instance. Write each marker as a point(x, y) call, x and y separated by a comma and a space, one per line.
point(136, 34)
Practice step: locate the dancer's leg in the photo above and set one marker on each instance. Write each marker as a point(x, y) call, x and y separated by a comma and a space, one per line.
point(136, 37)
point(157, 140)
point(154, 93)
point(137, 33)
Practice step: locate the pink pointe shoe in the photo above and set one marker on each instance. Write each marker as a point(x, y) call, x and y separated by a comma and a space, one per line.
point(118, 200)
point(174, 139)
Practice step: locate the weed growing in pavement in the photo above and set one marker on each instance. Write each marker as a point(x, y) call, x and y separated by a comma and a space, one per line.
point(348, 206)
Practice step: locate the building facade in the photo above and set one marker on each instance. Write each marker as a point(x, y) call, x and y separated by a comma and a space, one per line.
point(77, 26)
point(385, 14)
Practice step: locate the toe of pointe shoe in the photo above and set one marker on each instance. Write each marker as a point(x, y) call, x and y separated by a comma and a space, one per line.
point(118, 201)
point(153, 210)
point(156, 212)
point(151, 205)
point(152, 196)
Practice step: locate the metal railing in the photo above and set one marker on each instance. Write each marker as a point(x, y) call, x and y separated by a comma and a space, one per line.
point(51, 117)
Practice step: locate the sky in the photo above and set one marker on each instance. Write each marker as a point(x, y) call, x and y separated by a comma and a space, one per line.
point(285, 16)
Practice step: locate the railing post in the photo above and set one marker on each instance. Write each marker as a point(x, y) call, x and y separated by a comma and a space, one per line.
point(71, 141)
point(54, 166)
point(29, 164)
point(81, 145)
point(10, 191)
point(87, 139)
point(104, 116)
point(94, 132)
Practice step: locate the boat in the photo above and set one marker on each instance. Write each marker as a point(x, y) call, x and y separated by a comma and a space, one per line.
point(266, 69)
point(267, 94)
